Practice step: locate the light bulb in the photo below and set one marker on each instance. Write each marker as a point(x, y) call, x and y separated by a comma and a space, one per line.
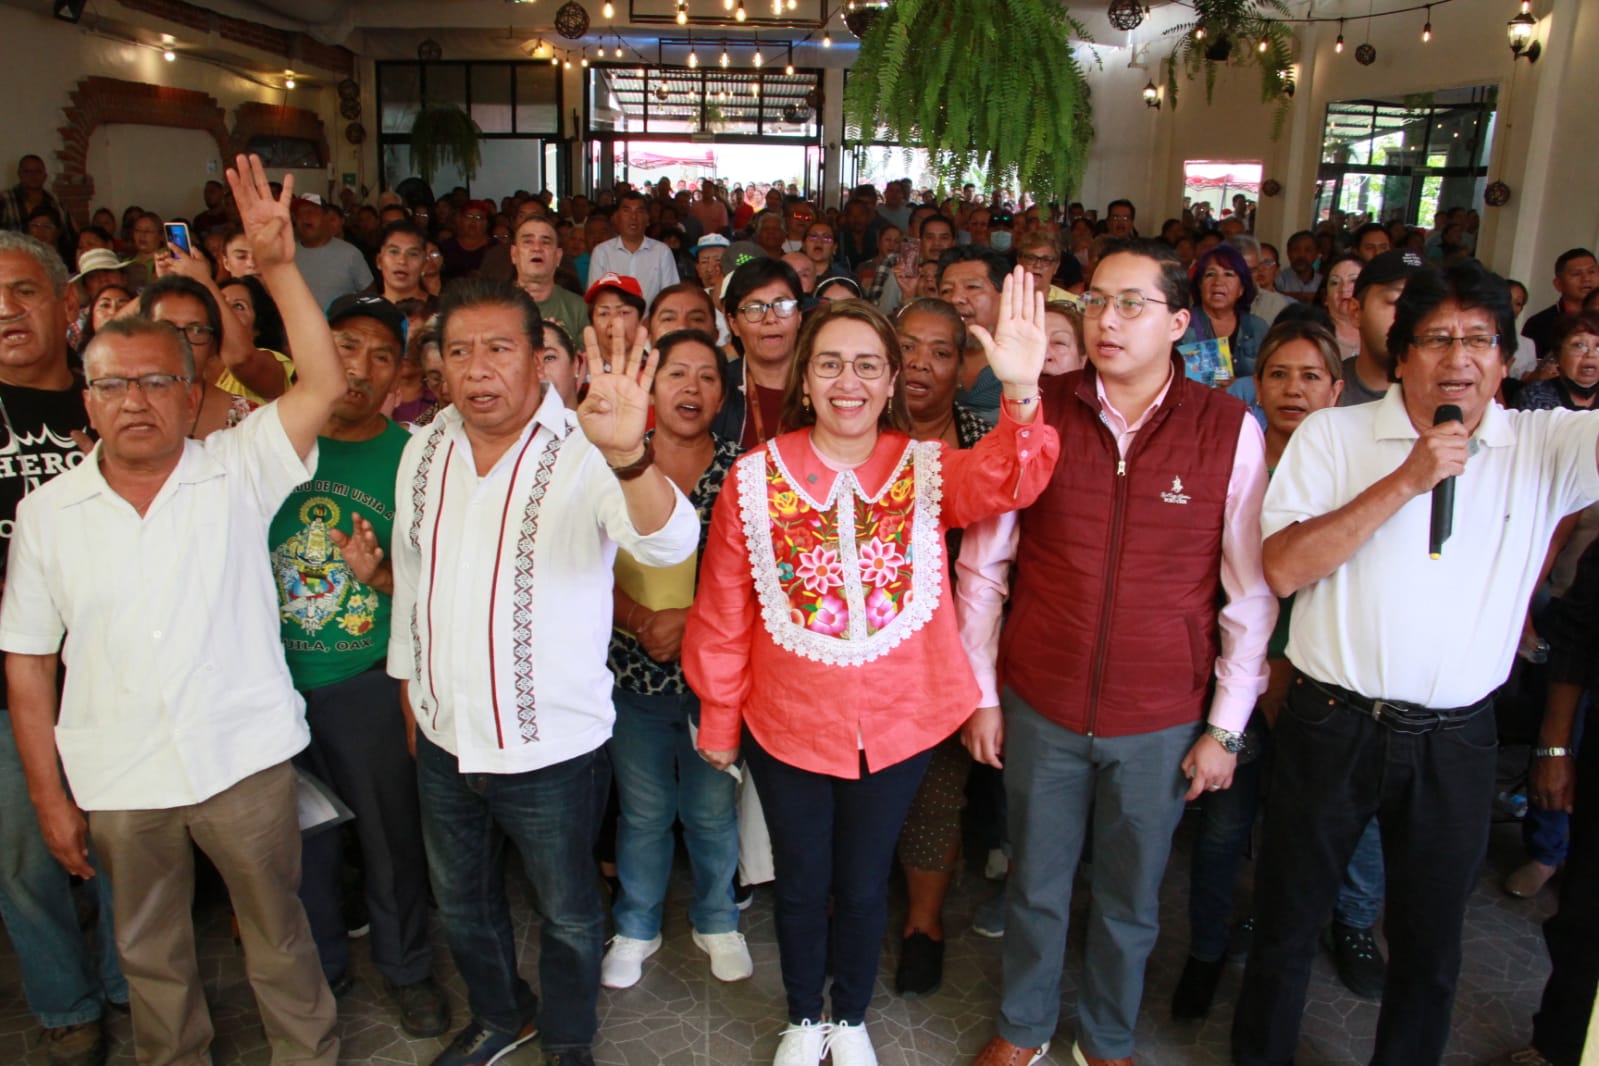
point(1338, 45)
point(789, 70)
point(792, 4)
point(1426, 31)
point(288, 83)
point(693, 59)
point(1199, 32)
point(609, 10)
point(722, 61)
point(555, 61)
point(682, 17)
point(169, 55)
point(1263, 44)
point(827, 38)
point(727, 5)
point(739, 13)
point(569, 64)
point(758, 60)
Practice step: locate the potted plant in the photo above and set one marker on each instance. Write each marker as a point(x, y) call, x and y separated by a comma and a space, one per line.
point(445, 134)
point(977, 84)
point(1239, 32)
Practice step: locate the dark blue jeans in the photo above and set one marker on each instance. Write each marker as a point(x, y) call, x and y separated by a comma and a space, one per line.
point(551, 815)
point(1333, 769)
point(1572, 934)
point(832, 836)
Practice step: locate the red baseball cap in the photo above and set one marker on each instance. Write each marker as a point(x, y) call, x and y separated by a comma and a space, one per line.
point(482, 207)
point(620, 282)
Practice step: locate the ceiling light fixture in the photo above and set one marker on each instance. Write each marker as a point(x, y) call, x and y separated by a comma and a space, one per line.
point(609, 10)
point(723, 60)
point(789, 70)
point(169, 55)
point(1426, 31)
point(1338, 45)
point(693, 59)
point(827, 38)
point(739, 14)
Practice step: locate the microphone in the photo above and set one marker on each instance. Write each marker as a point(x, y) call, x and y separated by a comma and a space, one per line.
point(1443, 493)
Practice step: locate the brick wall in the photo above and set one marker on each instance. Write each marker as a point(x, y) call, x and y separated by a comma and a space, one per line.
point(296, 48)
point(254, 119)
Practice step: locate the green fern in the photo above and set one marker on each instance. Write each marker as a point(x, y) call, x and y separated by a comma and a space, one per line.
point(445, 134)
point(980, 84)
point(1242, 25)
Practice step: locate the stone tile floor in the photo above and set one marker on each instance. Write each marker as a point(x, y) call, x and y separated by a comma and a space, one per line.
point(679, 1016)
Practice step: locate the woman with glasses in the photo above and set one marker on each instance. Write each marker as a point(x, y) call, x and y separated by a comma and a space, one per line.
point(257, 373)
point(191, 309)
point(821, 248)
point(762, 306)
point(1224, 290)
point(822, 641)
point(1575, 340)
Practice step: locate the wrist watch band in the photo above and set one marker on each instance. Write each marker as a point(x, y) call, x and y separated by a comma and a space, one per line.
point(1552, 753)
point(637, 467)
point(1232, 743)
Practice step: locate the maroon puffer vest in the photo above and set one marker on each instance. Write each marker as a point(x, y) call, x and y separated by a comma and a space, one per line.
point(1113, 629)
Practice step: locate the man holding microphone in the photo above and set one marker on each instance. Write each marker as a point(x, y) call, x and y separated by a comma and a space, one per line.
point(1397, 655)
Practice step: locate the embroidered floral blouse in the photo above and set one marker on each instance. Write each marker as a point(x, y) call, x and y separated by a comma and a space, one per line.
point(824, 620)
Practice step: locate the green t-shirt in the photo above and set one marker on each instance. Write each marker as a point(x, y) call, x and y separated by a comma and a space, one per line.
point(566, 308)
point(334, 627)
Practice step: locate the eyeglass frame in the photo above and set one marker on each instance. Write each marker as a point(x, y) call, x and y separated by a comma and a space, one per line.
point(1443, 342)
point(1094, 304)
point(774, 306)
point(113, 387)
point(814, 363)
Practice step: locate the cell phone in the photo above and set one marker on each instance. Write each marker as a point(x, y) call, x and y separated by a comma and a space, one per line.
point(910, 252)
point(178, 236)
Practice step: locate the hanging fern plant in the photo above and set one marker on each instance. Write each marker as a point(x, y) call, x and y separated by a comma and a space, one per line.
point(990, 84)
point(1234, 31)
point(444, 134)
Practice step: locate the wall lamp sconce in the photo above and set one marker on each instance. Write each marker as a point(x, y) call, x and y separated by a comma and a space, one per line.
point(1520, 30)
point(1151, 96)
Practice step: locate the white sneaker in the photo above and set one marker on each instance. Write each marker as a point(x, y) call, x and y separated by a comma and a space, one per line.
point(730, 956)
point(623, 964)
point(850, 1046)
point(803, 1044)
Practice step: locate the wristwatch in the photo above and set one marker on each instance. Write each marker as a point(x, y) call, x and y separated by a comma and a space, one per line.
point(1552, 753)
point(1232, 743)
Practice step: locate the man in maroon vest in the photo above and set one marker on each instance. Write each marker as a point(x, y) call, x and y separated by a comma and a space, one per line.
point(1115, 649)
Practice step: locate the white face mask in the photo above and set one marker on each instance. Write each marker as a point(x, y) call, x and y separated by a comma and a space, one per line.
point(999, 240)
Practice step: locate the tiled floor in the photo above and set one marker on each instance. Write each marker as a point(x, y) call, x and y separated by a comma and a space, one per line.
point(679, 1016)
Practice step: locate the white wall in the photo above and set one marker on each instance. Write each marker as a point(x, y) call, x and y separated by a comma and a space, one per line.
point(47, 57)
point(136, 165)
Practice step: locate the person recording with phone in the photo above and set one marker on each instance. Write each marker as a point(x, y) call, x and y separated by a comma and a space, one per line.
point(1396, 654)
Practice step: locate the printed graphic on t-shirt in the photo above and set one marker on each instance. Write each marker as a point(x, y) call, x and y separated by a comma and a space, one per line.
point(315, 586)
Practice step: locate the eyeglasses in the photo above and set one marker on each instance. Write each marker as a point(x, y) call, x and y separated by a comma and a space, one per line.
point(1128, 304)
point(1442, 342)
point(474, 216)
point(197, 332)
point(1265, 264)
point(804, 218)
point(1029, 259)
point(821, 238)
point(1581, 349)
point(754, 312)
point(1120, 218)
point(115, 388)
point(866, 367)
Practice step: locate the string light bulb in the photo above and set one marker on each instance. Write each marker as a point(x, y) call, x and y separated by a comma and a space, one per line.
point(169, 55)
point(1199, 32)
point(1426, 31)
point(288, 83)
point(727, 5)
point(1338, 45)
point(609, 10)
point(792, 4)
point(682, 12)
point(693, 59)
point(827, 38)
point(789, 70)
point(739, 14)
point(758, 60)
point(722, 60)
point(1264, 44)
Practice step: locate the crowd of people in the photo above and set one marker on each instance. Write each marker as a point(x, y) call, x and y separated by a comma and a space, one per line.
point(374, 537)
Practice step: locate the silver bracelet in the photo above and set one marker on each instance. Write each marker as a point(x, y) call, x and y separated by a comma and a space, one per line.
point(1552, 753)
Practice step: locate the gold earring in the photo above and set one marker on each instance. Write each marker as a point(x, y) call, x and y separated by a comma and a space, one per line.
point(805, 400)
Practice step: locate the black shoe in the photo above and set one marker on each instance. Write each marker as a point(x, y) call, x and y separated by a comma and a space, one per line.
point(1195, 989)
point(743, 895)
point(584, 1057)
point(424, 1010)
point(477, 1045)
point(341, 985)
point(1361, 966)
point(921, 966)
point(1242, 940)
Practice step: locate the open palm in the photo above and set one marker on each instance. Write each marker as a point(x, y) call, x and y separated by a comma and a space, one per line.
point(1016, 348)
point(267, 221)
point(614, 412)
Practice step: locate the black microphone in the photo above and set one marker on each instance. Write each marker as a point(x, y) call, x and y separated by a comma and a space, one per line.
point(1443, 493)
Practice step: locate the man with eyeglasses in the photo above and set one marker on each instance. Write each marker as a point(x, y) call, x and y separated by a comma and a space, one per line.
point(1261, 259)
point(178, 717)
point(630, 254)
point(1390, 711)
point(330, 266)
point(464, 252)
point(1126, 690)
point(41, 409)
point(1119, 219)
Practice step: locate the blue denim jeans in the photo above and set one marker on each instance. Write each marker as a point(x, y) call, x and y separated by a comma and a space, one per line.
point(1360, 892)
point(1547, 834)
point(551, 815)
point(1226, 820)
point(660, 778)
point(59, 977)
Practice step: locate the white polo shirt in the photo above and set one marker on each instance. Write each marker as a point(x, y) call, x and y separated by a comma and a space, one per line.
point(176, 687)
point(1392, 623)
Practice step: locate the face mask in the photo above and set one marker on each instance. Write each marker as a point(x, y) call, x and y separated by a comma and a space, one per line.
point(999, 240)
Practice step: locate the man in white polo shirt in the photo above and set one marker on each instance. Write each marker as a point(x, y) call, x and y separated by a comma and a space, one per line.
point(1397, 655)
point(633, 255)
point(507, 528)
point(179, 716)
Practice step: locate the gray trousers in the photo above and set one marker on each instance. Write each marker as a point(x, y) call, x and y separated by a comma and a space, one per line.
point(1134, 786)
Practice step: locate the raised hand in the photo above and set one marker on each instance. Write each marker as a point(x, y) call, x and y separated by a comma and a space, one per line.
point(360, 550)
point(268, 222)
point(191, 265)
point(613, 414)
point(1016, 348)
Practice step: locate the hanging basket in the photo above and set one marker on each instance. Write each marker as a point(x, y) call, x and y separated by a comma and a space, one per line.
point(445, 134)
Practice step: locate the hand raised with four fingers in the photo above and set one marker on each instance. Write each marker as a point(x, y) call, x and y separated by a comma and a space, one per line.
point(1016, 348)
point(360, 549)
point(614, 412)
point(267, 221)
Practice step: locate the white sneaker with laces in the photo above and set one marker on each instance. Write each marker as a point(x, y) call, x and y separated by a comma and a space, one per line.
point(850, 1046)
point(623, 964)
point(730, 956)
point(803, 1044)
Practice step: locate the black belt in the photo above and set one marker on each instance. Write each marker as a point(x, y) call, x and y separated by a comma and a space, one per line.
point(1406, 718)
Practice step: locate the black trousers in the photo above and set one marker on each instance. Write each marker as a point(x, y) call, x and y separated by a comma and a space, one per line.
point(1432, 795)
point(1561, 1024)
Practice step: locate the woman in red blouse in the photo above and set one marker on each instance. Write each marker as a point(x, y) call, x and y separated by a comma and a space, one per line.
point(824, 626)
